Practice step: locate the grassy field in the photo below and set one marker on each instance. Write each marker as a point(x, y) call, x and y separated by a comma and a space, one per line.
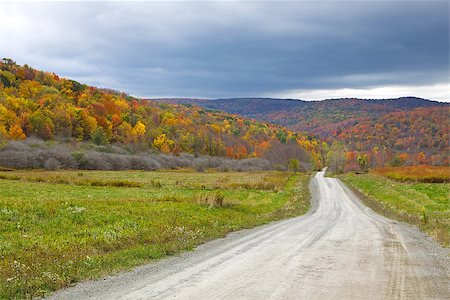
point(426, 205)
point(60, 227)
point(423, 173)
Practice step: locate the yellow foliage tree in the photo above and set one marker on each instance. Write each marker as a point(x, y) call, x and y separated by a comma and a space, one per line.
point(216, 127)
point(122, 104)
point(163, 143)
point(89, 125)
point(168, 118)
point(138, 131)
point(3, 136)
point(16, 133)
point(3, 131)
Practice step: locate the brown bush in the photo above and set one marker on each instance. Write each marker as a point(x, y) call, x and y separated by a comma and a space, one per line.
point(215, 199)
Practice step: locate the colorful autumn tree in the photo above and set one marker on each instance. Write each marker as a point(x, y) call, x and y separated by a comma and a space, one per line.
point(163, 143)
point(422, 158)
point(16, 133)
point(41, 124)
point(124, 133)
point(138, 132)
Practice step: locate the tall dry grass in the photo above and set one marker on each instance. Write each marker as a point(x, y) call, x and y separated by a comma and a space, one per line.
point(422, 173)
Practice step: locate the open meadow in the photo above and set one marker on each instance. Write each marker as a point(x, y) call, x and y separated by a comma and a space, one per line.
point(418, 195)
point(60, 227)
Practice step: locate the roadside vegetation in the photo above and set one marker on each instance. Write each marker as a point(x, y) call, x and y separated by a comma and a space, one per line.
point(423, 173)
point(60, 227)
point(413, 197)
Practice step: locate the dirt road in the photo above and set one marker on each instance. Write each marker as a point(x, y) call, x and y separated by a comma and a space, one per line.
point(339, 250)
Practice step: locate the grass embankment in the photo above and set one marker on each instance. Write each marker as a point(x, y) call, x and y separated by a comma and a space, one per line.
point(426, 205)
point(57, 228)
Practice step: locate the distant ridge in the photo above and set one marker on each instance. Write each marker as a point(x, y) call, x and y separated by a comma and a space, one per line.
point(261, 104)
point(421, 124)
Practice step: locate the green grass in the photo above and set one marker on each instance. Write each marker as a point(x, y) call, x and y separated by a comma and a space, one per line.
point(57, 228)
point(426, 205)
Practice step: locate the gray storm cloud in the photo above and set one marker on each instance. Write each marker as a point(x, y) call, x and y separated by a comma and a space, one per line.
point(224, 49)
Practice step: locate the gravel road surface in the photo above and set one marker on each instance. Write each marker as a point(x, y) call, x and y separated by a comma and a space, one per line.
point(339, 250)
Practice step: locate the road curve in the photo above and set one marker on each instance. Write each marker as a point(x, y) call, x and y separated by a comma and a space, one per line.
point(339, 250)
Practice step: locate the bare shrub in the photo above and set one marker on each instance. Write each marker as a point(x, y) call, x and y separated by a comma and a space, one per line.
point(199, 169)
point(223, 168)
point(97, 161)
point(64, 157)
point(140, 162)
point(280, 154)
point(52, 164)
point(34, 153)
point(254, 164)
point(34, 142)
point(16, 159)
point(17, 146)
point(118, 161)
point(167, 161)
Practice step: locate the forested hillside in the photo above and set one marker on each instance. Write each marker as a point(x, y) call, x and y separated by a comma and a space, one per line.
point(393, 131)
point(43, 105)
point(419, 135)
point(371, 132)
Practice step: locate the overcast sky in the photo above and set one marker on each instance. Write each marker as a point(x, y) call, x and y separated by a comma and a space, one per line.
point(297, 49)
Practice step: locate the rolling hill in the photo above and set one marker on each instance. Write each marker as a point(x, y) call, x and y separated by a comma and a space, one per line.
point(408, 126)
point(41, 104)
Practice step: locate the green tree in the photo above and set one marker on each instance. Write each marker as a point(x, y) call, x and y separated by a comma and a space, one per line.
point(99, 136)
point(336, 157)
point(41, 125)
point(362, 161)
point(7, 78)
point(282, 136)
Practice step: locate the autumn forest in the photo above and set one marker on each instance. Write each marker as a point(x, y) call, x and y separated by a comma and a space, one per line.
point(353, 135)
point(42, 105)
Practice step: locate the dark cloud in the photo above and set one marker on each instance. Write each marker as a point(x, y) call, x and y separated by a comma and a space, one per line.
point(224, 49)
